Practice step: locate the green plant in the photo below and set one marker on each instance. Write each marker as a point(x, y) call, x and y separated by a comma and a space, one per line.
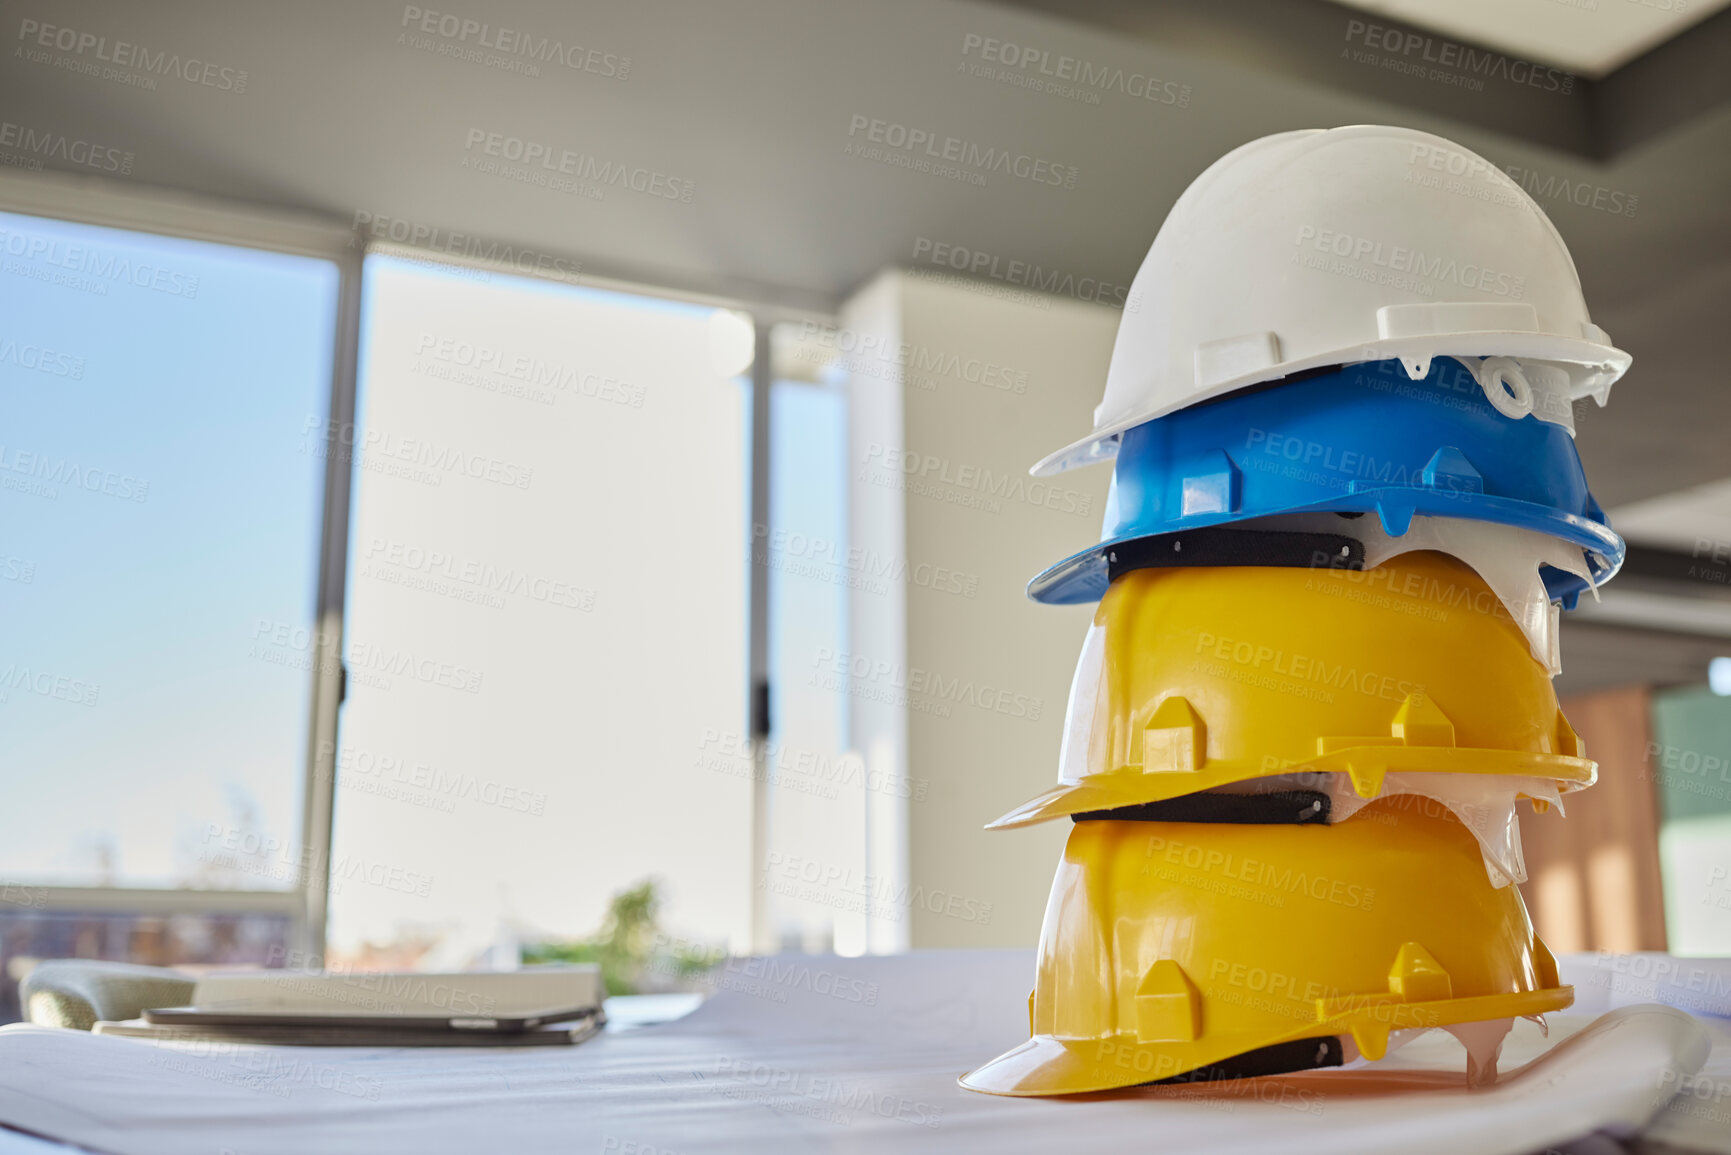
point(626, 945)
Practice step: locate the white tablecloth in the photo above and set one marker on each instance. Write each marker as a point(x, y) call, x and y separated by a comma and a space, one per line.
point(827, 1054)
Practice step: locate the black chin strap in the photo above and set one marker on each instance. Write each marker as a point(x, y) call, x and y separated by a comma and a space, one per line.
point(1280, 1059)
point(1282, 808)
point(1221, 545)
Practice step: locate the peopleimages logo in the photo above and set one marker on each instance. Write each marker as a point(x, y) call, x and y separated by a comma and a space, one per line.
point(376, 659)
point(829, 878)
point(439, 240)
point(98, 263)
point(256, 853)
point(41, 359)
point(1256, 872)
point(830, 1099)
point(921, 363)
point(358, 766)
point(1473, 179)
point(36, 34)
point(1576, 192)
point(530, 370)
point(931, 146)
point(927, 683)
point(1008, 485)
point(1307, 671)
point(577, 166)
point(1059, 71)
point(442, 459)
point(511, 42)
point(719, 750)
point(17, 569)
point(1687, 761)
point(1455, 58)
point(864, 568)
point(44, 473)
point(979, 263)
point(59, 146)
point(1413, 262)
point(1269, 449)
point(395, 561)
point(47, 684)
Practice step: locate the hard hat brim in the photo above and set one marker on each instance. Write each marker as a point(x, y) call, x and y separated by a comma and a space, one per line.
point(1609, 363)
point(1366, 766)
point(1046, 1065)
point(1083, 577)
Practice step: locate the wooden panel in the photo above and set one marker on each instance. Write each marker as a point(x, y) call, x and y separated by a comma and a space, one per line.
point(1593, 876)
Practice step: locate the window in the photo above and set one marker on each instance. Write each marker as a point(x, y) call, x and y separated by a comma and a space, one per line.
point(160, 518)
point(1690, 763)
point(547, 629)
point(817, 811)
point(159, 526)
point(527, 543)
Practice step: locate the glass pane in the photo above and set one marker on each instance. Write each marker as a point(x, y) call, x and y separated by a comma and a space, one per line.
point(1690, 761)
point(159, 526)
point(546, 619)
point(817, 784)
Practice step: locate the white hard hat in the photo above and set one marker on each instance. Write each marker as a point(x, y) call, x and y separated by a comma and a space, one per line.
point(1327, 247)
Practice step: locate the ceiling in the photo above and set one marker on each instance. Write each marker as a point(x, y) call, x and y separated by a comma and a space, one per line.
point(1597, 657)
point(351, 111)
point(346, 111)
point(1694, 521)
point(1590, 38)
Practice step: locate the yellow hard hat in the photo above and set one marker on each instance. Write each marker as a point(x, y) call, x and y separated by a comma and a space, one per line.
point(1212, 676)
point(1217, 950)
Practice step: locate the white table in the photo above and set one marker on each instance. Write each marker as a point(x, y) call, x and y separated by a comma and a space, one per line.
point(826, 1054)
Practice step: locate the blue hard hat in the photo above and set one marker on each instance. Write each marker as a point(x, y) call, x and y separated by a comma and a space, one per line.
point(1351, 440)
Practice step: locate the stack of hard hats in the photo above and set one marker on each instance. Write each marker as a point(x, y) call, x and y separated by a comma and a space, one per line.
point(1345, 512)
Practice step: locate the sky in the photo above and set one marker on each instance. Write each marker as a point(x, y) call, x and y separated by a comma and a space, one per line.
point(158, 511)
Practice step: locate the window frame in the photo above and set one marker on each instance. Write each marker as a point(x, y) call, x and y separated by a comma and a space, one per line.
point(99, 201)
point(95, 201)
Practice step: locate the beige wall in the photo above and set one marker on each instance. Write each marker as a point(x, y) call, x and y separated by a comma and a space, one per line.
point(991, 379)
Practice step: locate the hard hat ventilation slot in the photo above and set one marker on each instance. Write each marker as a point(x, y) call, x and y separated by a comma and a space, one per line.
point(1217, 362)
point(1394, 508)
point(1168, 1005)
point(1568, 741)
point(1175, 739)
point(1214, 485)
point(1416, 977)
point(1419, 722)
point(1449, 469)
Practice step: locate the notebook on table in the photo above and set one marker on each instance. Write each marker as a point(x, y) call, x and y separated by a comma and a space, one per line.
point(538, 1007)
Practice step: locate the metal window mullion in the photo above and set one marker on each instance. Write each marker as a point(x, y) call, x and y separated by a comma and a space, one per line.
point(757, 626)
point(319, 789)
